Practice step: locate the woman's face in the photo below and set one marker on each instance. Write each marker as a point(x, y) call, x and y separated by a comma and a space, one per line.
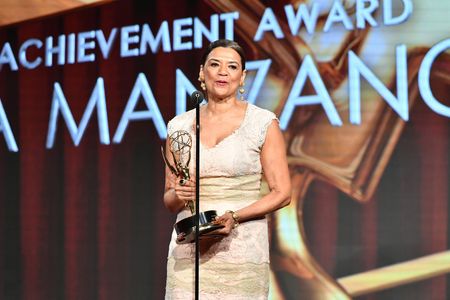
point(222, 73)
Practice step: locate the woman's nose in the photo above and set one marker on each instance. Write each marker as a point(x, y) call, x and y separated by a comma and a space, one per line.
point(223, 70)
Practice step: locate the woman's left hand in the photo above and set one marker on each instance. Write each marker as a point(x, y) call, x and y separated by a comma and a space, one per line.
point(227, 220)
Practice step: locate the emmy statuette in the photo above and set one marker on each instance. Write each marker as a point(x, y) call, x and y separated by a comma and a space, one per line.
point(180, 144)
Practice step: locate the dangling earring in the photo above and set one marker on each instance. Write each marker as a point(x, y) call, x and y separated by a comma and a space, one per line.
point(202, 84)
point(242, 91)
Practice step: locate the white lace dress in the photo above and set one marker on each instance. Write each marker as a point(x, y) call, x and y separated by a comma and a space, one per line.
point(235, 267)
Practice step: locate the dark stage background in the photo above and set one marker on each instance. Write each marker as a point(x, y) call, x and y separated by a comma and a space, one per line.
point(88, 222)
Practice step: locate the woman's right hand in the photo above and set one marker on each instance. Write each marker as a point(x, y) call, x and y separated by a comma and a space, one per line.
point(178, 193)
point(184, 190)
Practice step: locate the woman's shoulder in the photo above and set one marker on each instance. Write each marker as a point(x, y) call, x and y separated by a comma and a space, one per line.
point(183, 116)
point(259, 113)
point(182, 121)
point(258, 122)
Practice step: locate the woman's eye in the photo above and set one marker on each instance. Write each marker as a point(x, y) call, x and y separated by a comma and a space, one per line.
point(214, 64)
point(233, 67)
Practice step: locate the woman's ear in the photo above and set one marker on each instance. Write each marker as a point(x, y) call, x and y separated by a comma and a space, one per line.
point(244, 73)
point(201, 76)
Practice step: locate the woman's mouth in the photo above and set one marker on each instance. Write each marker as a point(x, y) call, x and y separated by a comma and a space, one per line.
point(221, 82)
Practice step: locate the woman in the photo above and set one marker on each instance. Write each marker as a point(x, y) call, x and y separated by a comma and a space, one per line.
point(238, 142)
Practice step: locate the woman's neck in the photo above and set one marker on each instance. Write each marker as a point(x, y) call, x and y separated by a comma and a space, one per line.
point(217, 107)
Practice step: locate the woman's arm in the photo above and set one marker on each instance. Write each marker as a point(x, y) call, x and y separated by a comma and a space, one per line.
point(274, 164)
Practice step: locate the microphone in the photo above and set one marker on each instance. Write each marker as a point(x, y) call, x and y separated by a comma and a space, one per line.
point(197, 97)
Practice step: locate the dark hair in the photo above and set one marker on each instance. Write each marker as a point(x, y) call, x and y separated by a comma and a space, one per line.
point(225, 44)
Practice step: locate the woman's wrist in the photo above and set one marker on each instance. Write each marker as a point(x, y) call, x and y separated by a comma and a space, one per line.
point(235, 217)
point(175, 203)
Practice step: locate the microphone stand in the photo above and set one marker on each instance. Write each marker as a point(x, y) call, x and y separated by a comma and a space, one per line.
point(197, 97)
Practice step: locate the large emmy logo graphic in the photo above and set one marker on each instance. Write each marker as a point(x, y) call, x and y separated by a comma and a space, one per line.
point(180, 145)
point(318, 151)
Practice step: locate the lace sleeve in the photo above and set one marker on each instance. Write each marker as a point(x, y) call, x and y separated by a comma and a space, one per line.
point(181, 122)
point(266, 120)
